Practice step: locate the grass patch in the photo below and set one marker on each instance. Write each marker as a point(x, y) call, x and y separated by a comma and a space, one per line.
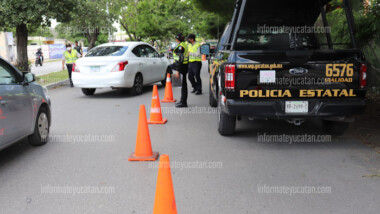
point(52, 77)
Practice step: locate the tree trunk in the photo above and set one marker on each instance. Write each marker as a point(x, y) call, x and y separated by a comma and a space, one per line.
point(126, 30)
point(92, 37)
point(22, 47)
point(372, 48)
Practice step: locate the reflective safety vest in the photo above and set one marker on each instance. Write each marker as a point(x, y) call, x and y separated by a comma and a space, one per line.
point(185, 54)
point(194, 50)
point(71, 57)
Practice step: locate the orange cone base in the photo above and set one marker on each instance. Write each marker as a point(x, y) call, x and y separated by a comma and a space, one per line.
point(168, 101)
point(133, 157)
point(158, 122)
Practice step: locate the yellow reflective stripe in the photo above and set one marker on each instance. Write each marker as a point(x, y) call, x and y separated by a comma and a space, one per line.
point(194, 49)
point(71, 58)
point(186, 53)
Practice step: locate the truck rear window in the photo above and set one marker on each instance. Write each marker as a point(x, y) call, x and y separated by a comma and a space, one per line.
point(279, 25)
point(274, 38)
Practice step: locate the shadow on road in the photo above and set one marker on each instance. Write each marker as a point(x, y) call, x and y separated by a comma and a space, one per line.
point(14, 151)
point(120, 93)
point(279, 133)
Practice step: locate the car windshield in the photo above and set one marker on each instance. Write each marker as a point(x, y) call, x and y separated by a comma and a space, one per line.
point(107, 51)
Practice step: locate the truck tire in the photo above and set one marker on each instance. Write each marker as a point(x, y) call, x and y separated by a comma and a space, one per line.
point(88, 91)
point(335, 127)
point(226, 123)
point(40, 135)
point(213, 102)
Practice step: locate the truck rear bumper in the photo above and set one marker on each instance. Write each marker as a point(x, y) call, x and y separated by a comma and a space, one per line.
point(276, 108)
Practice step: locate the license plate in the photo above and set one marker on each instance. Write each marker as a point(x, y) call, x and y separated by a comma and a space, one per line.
point(94, 68)
point(268, 76)
point(296, 106)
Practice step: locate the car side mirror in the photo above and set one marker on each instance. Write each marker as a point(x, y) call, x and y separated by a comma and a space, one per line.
point(162, 55)
point(28, 78)
point(205, 49)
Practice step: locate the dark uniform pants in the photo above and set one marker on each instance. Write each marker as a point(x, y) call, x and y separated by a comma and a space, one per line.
point(70, 69)
point(183, 70)
point(195, 75)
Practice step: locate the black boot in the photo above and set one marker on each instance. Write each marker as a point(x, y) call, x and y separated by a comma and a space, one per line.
point(181, 105)
point(199, 92)
point(193, 91)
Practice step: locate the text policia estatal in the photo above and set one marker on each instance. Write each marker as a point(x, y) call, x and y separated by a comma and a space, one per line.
point(302, 93)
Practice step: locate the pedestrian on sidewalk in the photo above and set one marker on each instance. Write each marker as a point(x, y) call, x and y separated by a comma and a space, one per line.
point(70, 56)
point(78, 48)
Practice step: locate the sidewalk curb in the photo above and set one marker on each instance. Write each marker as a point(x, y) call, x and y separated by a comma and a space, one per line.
point(60, 83)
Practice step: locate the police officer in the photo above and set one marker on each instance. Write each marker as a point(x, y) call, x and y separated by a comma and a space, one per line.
point(181, 60)
point(195, 64)
point(70, 56)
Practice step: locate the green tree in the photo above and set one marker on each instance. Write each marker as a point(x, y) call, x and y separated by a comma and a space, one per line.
point(367, 23)
point(89, 19)
point(151, 19)
point(160, 20)
point(224, 8)
point(40, 31)
point(20, 14)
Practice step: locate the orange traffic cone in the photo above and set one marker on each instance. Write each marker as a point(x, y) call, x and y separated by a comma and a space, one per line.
point(164, 201)
point(155, 109)
point(203, 57)
point(143, 150)
point(168, 91)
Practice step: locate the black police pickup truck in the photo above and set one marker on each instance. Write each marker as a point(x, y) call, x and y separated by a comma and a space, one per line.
point(276, 60)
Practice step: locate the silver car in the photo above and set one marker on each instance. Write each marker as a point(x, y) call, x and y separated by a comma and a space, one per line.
point(24, 107)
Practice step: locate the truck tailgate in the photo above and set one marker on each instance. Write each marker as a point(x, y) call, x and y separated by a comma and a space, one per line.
point(298, 74)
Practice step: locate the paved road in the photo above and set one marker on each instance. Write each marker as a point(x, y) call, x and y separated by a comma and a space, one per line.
point(28, 175)
point(47, 67)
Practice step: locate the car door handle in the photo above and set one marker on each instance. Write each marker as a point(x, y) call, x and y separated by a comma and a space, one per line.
point(3, 102)
point(154, 63)
point(140, 64)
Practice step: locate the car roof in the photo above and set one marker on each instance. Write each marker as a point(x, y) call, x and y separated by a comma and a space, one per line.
point(123, 44)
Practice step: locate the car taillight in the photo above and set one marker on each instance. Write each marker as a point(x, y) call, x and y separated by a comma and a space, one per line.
point(75, 68)
point(120, 66)
point(229, 76)
point(363, 76)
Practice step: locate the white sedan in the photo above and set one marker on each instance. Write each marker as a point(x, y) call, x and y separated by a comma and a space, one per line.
point(120, 65)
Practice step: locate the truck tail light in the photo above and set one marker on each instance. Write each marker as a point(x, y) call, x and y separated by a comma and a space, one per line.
point(363, 76)
point(75, 68)
point(120, 66)
point(230, 76)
